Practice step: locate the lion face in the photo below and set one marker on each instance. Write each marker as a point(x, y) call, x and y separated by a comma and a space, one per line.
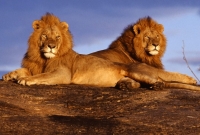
point(151, 42)
point(149, 38)
point(51, 37)
point(50, 41)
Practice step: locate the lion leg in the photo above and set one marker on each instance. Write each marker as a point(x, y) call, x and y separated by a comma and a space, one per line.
point(142, 72)
point(59, 76)
point(140, 77)
point(16, 74)
point(175, 77)
point(127, 84)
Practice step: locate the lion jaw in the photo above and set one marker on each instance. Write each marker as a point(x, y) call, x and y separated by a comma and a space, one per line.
point(153, 50)
point(49, 55)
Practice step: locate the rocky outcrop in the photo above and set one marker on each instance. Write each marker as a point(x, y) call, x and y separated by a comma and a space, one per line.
point(78, 109)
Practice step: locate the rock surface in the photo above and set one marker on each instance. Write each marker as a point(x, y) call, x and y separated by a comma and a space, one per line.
point(78, 109)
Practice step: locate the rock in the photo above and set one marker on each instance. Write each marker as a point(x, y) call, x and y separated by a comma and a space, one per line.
point(80, 109)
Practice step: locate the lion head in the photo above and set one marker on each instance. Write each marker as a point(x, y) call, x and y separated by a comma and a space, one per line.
point(143, 41)
point(150, 34)
point(50, 39)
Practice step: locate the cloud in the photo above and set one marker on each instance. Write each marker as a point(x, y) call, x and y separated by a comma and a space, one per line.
point(90, 21)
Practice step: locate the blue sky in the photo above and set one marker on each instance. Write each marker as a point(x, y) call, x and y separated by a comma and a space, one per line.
point(96, 23)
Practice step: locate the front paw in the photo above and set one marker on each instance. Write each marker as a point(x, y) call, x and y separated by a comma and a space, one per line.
point(192, 80)
point(127, 84)
point(14, 75)
point(189, 80)
point(158, 86)
point(11, 76)
point(27, 81)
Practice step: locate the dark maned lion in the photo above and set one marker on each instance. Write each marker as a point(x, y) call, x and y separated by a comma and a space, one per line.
point(50, 60)
point(141, 46)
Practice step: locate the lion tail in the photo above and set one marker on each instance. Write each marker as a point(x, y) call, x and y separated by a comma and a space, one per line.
point(182, 86)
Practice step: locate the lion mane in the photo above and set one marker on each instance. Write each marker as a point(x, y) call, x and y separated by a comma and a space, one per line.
point(36, 62)
point(142, 42)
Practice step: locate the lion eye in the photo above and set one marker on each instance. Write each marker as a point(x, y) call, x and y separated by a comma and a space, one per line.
point(146, 37)
point(44, 36)
point(57, 37)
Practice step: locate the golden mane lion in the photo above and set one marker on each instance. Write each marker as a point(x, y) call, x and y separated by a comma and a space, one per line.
point(143, 42)
point(50, 59)
point(141, 46)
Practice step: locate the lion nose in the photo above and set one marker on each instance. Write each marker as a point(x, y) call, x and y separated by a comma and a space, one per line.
point(155, 44)
point(51, 46)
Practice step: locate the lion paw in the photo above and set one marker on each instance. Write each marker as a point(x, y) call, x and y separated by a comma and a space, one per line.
point(27, 81)
point(191, 80)
point(157, 86)
point(127, 84)
point(11, 76)
point(23, 81)
point(16, 74)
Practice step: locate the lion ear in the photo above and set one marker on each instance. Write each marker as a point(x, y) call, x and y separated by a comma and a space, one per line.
point(160, 27)
point(136, 29)
point(64, 25)
point(36, 25)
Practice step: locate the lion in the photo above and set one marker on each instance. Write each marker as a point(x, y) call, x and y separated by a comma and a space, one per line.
point(141, 46)
point(143, 42)
point(50, 60)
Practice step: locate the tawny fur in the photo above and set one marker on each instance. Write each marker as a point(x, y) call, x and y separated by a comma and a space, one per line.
point(130, 46)
point(64, 66)
point(50, 60)
point(33, 60)
point(130, 49)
